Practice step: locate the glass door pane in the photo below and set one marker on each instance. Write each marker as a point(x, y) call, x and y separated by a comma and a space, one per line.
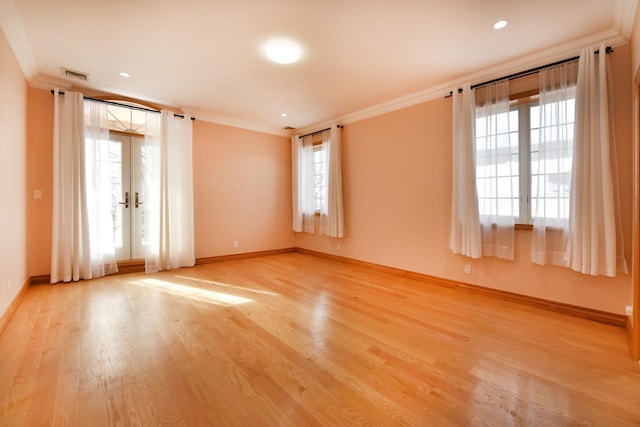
point(120, 159)
point(141, 160)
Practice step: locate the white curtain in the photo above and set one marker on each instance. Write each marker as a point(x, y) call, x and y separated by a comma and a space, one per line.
point(99, 171)
point(465, 219)
point(82, 230)
point(593, 246)
point(496, 170)
point(552, 145)
point(332, 210)
point(302, 180)
point(168, 189)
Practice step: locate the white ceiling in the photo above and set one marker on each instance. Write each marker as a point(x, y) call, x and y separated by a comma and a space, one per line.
point(207, 57)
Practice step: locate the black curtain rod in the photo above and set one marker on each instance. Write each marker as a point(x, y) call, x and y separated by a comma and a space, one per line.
point(318, 131)
point(118, 104)
point(529, 72)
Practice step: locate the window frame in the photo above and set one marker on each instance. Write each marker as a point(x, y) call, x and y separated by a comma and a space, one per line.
point(522, 103)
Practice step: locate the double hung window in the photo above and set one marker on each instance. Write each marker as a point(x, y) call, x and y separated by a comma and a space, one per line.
point(528, 176)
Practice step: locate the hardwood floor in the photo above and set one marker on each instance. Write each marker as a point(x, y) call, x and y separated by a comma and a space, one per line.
point(295, 340)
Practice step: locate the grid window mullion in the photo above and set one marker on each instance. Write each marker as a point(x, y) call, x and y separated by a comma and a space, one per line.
point(524, 143)
point(497, 164)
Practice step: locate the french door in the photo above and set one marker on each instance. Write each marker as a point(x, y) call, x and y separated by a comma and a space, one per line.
point(127, 195)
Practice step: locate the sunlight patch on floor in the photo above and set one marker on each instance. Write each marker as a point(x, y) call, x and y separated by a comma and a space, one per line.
point(226, 285)
point(195, 293)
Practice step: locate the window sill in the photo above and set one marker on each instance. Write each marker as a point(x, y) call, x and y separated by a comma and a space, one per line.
point(529, 226)
point(517, 226)
point(524, 226)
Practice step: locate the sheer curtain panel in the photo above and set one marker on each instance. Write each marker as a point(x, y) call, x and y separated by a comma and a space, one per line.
point(497, 164)
point(82, 232)
point(465, 219)
point(168, 186)
point(332, 211)
point(302, 180)
point(594, 247)
point(552, 146)
point(99, 171)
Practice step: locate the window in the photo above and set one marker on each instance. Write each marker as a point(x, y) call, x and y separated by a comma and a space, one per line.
point(319, 177)
point(551, 159)
point(528, 176)
point(125, 119)
point(317, 183)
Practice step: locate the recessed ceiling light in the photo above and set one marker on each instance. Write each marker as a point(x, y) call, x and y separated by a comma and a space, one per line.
point(283, 52)
point(123, 74)
point(500, 24)
point(283, 114)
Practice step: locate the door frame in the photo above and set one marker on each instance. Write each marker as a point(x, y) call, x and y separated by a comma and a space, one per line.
point(633, 321)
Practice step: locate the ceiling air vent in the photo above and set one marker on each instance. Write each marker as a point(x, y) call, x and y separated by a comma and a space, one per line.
point(289, 128)
point(75, 74)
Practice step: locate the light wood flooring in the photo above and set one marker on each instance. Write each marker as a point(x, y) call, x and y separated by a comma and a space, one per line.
point(294, 340)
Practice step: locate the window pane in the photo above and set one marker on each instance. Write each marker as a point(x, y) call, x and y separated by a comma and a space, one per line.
point(481, 129)
point(513, 121)
point(497, 164)
point(319, 177)
point(126, 119)
point(505, 187)
point(505, 207)
point(552, 134)
point(117, 190)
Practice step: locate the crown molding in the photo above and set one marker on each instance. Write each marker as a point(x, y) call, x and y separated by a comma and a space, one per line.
point(239, 123)
point(47, 83)
point(625, 14)
point(11, 26)
point(382, 108)
point(610, 38)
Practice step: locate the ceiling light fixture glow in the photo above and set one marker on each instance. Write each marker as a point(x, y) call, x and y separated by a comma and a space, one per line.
point(283, 52)
point(123, 74)
point(500, 24)
point(283, 114)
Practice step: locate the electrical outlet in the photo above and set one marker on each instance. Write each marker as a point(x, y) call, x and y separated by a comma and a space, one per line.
point(467, 268)
point(235, 243)
point(629, 310)
point(37, 194)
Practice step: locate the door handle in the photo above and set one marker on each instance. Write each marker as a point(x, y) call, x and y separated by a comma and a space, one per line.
point(126, 200)
point(138, 203)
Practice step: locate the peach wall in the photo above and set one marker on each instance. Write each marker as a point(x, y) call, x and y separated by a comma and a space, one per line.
point(397, 187)
point(13, 172)
point(39, 177)
point(242, 190)
point(623, 116)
